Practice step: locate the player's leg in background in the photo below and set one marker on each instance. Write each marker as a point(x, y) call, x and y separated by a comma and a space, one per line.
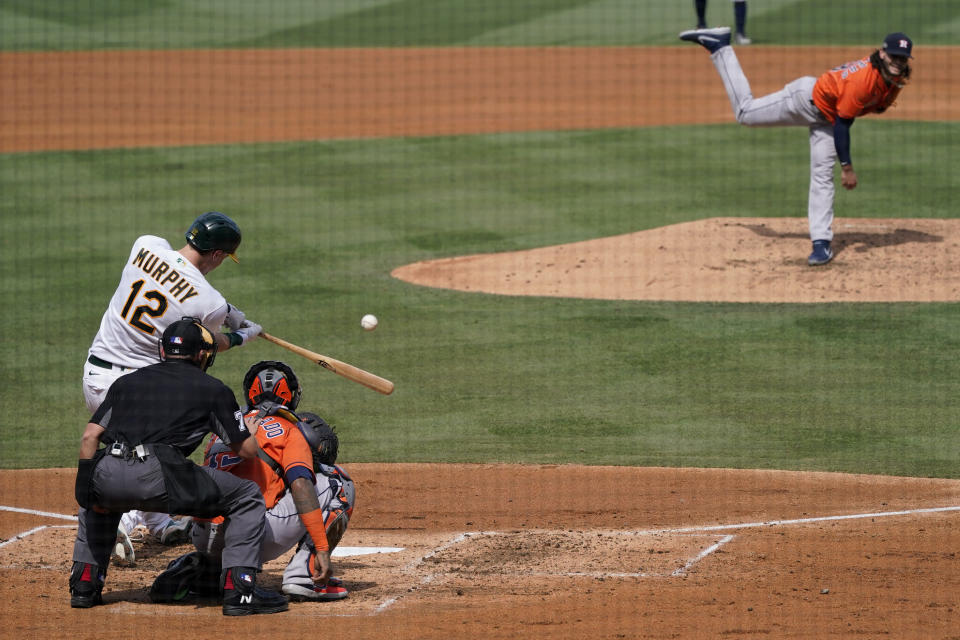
point(740, 22)
point(700, 6)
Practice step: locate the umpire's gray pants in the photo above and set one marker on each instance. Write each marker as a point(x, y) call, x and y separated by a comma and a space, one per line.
point(124, 484)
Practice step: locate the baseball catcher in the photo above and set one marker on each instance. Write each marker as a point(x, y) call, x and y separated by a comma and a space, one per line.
point(309, 498)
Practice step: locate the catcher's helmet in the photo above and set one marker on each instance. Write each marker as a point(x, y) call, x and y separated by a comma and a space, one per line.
point(187, 338)
point(321, 437)
point(213, 230)
point(274, 381)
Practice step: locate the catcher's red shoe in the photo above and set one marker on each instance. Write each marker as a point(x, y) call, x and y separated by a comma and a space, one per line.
point(301, 592)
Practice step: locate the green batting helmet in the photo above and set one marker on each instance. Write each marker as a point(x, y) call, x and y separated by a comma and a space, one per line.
point(213, 230)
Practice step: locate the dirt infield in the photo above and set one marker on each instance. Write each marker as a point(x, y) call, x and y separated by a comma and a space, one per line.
point(502, 551)
point(109, 99)
point(514, 551)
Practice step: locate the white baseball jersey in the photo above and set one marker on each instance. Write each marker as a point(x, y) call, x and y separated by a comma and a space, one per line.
point(158, 286)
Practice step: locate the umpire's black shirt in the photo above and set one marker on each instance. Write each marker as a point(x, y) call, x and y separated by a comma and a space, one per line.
point(171, 402)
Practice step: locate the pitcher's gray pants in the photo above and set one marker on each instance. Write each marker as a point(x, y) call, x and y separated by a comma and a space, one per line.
point(791, 106)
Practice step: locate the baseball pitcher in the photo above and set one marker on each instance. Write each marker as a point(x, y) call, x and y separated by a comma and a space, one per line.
point(827, 105)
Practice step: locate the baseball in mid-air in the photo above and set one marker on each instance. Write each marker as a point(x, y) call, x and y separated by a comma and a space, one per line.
point(369, 322)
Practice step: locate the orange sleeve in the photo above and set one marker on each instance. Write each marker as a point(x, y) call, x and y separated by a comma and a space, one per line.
point(313, 521)
point(281, 440)
point(297, 452)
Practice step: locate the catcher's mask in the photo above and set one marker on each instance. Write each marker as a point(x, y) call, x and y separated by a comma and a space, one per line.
point(274, 381)
point(188, 339)
point(321, 437)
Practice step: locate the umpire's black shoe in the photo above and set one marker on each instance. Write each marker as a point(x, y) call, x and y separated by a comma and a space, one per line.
point(86, 583)
point(84, 599)
point(242, 596)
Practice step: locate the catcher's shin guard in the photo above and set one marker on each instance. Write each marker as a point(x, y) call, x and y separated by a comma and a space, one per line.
point(337, 522)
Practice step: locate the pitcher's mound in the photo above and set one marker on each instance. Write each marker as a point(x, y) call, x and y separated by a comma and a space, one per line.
point(723, 260)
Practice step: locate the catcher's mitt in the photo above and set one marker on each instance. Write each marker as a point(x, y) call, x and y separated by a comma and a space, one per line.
point(322, 439)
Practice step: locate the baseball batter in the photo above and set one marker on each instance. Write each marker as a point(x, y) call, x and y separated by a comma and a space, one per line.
point(827, 105)
point(159, 286)
point(309, 499)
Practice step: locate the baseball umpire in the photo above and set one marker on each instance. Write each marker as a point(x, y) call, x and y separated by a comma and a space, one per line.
point(150, 421)
point(309, 499)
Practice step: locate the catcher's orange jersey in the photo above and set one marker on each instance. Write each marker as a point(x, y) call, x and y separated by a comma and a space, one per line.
point(852, 90)
point(281, 440)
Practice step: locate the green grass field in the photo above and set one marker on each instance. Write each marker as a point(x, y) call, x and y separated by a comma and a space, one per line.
point(871, 388)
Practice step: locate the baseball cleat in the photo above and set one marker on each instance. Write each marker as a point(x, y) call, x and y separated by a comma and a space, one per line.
point(711, 39)
point(123, 554)
point(302, 592)
point(822, 254)
point(242, 596)
point(176, 531)
point(742, 39)
point(86, 584)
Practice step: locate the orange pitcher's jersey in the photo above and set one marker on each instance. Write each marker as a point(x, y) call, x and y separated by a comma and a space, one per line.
point(852, 90)
point(280, 439)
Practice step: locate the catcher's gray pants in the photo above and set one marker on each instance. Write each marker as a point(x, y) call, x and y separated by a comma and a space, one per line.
point(121, 484)
point(283, 531)
point(791, 106)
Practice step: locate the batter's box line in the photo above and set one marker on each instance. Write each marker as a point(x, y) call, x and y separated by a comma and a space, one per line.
point(24, 534)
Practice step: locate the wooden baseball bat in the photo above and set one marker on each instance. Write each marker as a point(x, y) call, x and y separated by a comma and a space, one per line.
point(348, 371)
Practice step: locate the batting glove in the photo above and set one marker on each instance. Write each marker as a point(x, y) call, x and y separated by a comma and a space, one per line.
point(248, 331)
point(235, 318)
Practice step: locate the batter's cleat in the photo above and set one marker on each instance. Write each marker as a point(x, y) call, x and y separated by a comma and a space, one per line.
point(86, 585)
point(175, 584)
point(821, 253)
point(711, 39)
point(123, 554)
point(242, 596)
point(742, 39)
point(176, 531)
point(312, 592)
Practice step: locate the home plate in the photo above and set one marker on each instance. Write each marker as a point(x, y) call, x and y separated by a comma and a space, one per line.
point(342, 552)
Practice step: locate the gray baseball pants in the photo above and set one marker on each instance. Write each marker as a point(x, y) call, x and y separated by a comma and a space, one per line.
point(121, 484)
point(282, 532)
point(791, 106)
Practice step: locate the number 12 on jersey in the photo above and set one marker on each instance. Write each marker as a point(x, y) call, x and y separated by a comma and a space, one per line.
point(136, 319)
